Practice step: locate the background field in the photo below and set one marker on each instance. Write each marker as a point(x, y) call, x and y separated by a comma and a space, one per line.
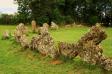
point(15, 61)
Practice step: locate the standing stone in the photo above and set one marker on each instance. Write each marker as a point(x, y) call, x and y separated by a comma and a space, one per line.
point(43, 29)
point(20, 30)
point(34, 26)
point(34, 44)
point(5, 35)
point(98, 24)
point(45, 25)
point(68, 26)
point(24, 41)
point(44, 43)
point(67, 49)
point(105, 63)
point(54, 26)
point(88, 48)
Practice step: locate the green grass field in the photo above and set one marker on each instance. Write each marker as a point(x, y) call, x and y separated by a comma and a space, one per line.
point(15, 61)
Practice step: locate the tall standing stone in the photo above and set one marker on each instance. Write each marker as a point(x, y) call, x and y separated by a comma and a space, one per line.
point(34, 26)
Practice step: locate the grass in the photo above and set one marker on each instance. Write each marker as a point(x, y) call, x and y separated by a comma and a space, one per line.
point(14, 61)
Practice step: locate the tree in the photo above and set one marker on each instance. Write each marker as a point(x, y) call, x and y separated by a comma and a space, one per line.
point(8, 19)
point(23, 10)
point(67, 11)
point(42, 10)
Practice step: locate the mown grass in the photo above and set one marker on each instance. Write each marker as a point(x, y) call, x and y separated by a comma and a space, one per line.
point(15, 61)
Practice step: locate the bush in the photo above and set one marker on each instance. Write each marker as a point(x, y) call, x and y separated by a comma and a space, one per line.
point(93, 20)
point(57, 16)
point(42, 20)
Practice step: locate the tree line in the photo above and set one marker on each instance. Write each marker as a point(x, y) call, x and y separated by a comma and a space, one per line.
point(65, 11)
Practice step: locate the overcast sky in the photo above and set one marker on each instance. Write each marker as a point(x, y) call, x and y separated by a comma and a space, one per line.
point(8, 6)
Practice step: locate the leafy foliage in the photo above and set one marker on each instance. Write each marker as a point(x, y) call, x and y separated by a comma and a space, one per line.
point(65, 11)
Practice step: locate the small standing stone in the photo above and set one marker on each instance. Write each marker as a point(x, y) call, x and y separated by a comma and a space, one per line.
point(5, 35)
point(54, 26)
point(45, 25)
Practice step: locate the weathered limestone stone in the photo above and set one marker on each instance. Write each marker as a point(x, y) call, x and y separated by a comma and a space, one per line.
point(96, 34)
point(44, 43)
point(90, 53)
point(88, 48)
point(67, 49)
point(20, 30)
point(68, 26)
point(24, 41)
point(98, 24)
point(42, 30)
point(54, 26)
point(105, 63)
point(34, 44)
point(5, 35)
point(45, 25)
point(34, 26)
